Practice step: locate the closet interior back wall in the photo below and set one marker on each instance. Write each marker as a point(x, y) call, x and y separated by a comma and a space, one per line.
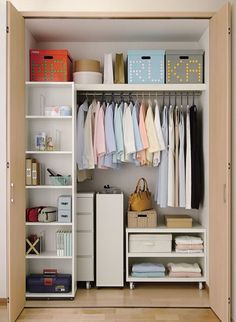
point(126, 177)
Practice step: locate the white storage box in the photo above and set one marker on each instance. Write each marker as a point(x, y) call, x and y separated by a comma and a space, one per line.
point(150, 243)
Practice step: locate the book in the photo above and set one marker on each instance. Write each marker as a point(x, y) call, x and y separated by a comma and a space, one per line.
point(28, 172)
point(35, 173)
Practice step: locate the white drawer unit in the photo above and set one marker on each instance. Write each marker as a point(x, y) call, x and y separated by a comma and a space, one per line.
point(85, 237)
point(150, 243)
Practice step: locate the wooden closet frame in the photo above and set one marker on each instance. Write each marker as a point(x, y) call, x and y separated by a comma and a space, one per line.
point(217, 86)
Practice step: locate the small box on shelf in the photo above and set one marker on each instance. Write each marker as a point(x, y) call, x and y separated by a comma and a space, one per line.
point(33, 245)
point(142, 219)
point(178, 221)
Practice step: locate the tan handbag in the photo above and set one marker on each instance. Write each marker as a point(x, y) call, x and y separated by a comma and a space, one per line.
point(141, 198)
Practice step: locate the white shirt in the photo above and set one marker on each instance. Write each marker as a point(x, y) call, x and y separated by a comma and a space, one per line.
point(162, 174)
point(157, 124)
point(181, 161)
point(171, 162)
point(88, 156)
point(128, 132)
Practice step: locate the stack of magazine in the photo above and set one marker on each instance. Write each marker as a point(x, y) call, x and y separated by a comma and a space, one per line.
point(64, 243)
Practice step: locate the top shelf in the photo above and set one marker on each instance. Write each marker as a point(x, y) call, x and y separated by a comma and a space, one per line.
point(123, 87)
point(49, 84)
point(142, 87)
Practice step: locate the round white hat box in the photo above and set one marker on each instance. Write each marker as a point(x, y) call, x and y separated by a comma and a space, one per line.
point(87, 78)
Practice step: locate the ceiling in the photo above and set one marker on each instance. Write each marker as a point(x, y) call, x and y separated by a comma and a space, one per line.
point(116, 30)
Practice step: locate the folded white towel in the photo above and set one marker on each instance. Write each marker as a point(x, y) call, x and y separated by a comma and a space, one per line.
point(188, 240)
point(184, 267)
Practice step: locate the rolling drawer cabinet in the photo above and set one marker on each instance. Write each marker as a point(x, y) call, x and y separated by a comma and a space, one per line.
point(110, 240)
point(85, 237)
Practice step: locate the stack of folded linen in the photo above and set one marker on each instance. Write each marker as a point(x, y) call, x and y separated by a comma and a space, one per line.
point(188, 244)
point(184, 270)
point(148, 270)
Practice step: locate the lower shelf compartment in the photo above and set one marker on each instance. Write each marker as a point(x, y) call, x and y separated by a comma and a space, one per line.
point(165, 279)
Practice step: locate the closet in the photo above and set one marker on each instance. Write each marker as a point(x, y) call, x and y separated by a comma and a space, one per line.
point(92, 37)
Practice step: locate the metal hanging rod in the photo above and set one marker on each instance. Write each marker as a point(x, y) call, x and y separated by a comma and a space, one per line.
point(140, 94)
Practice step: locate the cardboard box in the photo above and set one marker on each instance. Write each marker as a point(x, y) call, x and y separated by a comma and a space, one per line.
point(178, 221)
point(142, 219)
point(28, 172)
point(146, 66)
point(50, 65)
point(184, 66)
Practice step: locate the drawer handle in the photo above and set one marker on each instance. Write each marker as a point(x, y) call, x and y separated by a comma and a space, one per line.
point(149, 244)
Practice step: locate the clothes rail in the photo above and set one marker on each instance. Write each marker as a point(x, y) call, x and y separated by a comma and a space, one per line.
point(140, 94)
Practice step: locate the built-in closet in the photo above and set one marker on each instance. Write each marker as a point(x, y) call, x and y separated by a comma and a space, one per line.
point(88, 36)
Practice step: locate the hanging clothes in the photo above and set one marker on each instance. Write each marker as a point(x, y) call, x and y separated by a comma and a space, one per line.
point(137, 136)
point(101, 143)
point(157, 124)
point(110, 138)
point(118, 129)
point(96, 140)
point(188, 185)
point(176, 156)
point(129, 141)
point(171, 161)
point(154, 145)
point(88, 156)
point(141, 155)
point(161, 195)
point(196, 180)
point(81, 115)
point(181, 160)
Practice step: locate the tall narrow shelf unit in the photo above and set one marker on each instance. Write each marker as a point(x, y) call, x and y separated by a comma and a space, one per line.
point(61, 160)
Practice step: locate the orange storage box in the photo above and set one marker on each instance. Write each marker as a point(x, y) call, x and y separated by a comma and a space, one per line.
point(50, 66)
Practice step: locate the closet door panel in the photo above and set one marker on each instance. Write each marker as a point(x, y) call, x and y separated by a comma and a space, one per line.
point(16, 159)
point(220, 163)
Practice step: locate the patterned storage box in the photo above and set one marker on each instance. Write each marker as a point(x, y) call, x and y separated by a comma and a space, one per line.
point(50, 65)
point(184, 66)
point(146, 66)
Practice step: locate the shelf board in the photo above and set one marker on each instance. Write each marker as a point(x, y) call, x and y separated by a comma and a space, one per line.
point(55, 223)
point(48, 187)
point(197, 228)
point(141, 87)
point(47, 295)
point(44, 117)
point(172, 254)
point(49, 84)
point(166, 279)
point(48, 152)
point(47, 255)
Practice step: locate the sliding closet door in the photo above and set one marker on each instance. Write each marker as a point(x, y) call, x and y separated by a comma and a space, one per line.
point(16, 159)
point(220, 164)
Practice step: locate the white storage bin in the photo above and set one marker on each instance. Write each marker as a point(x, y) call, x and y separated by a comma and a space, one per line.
point(150, 243)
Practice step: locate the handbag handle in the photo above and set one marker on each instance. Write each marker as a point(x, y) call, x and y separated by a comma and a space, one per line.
point(138, 186)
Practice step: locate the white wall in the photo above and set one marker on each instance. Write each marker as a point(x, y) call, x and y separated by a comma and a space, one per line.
point(3, 149)
point(102, 5)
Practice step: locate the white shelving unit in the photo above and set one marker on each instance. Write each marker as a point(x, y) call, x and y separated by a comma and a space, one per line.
point(61, 160)
point(133, 257)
